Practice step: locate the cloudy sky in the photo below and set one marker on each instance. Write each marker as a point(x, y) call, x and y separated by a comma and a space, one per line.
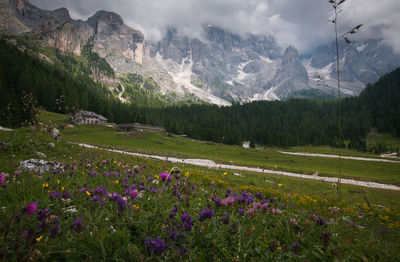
point(302, 23)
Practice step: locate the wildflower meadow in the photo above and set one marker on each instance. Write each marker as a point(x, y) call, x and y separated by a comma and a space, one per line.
point(105, 206)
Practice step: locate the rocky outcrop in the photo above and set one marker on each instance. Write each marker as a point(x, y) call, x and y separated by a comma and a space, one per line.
point(40, 166)
point(56, 29)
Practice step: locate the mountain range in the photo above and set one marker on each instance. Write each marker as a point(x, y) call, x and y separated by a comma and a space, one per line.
point(220, 67)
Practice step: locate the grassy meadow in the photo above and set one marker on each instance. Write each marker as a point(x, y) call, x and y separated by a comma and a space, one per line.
point(106, 206)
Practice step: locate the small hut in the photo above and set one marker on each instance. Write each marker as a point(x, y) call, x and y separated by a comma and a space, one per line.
point(82, 117)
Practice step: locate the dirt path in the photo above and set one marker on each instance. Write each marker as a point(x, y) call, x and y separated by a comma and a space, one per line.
point(123, 100)
point(212, 164)
point(337, 156)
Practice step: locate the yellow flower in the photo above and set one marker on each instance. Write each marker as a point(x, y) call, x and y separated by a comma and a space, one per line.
point(39, 238)
point(45, 185)
point(123, 166)
point(88, 193)
point(135, 207)
point(116, 181)
point(62, 189)
point(58, 181)
point(156, 176)
point(225, 173)
point(187, 174)
point(280, 185)
point(115, 162)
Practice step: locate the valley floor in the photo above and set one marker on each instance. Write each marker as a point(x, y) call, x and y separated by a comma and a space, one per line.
point(211, 164)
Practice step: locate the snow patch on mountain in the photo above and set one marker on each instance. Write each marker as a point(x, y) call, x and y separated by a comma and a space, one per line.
point(182, 76)
point(361, 48)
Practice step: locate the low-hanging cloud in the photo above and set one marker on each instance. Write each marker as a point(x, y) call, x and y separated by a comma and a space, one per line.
point(301, 23)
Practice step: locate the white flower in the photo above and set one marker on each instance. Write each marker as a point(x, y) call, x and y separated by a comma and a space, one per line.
point(71, 210)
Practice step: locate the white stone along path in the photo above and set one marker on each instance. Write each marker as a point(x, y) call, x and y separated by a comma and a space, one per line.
point(212, 164)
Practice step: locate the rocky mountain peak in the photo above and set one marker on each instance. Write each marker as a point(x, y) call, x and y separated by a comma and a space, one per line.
point(62, 14)
point(109, 18)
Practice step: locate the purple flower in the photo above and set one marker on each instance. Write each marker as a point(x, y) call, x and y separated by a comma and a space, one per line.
point(173, 212)
point(181, 251)
point(101, 190)
point(66, 194)
point(77, 225)
point(242, 211)
point(206, 213)
point(225, 219)
point(233, 228)
point(54, 195)
point(157, 246)
point(186, 219)
point(320, 221)
point(165, 176)
point(259, 195)
point(42, 214)
point(95, 198)
point(31, 208)
point(134, 194)
point(296, 246)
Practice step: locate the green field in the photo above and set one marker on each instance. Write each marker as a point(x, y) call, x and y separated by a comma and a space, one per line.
point(171, 145)
point(366, 225)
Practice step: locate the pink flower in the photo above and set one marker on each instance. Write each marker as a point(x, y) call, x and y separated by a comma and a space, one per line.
point(165, 176)
point(252, 211)
point(134, 194)
point(276, 211)
point(4, 178)
point(230, 200)
point(17, 172)
point(31, 208)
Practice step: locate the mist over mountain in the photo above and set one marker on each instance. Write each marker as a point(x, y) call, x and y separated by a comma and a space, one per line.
point(215, 65)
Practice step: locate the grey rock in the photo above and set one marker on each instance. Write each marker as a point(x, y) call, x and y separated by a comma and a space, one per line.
point(40, 155)
point(39, 166)
point(55, 134)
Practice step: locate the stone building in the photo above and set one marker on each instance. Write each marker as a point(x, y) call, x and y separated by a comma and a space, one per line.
point(82, 117)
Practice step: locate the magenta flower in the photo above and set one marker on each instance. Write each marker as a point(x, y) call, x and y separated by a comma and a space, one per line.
point(4, 178)
point(165, 176)
point(31, 208)
point(134, 194)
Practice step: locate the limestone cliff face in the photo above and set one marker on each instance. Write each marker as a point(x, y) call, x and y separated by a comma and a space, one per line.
point(56, 29)
point(114, 38)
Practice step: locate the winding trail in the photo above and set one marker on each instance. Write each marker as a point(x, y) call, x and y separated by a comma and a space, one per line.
point(123, 100)
point(212, 164)
point(337, 156)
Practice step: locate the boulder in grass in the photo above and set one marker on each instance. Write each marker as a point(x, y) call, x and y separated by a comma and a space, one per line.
point(55, 134)
point(39, 166)
point(40, 155)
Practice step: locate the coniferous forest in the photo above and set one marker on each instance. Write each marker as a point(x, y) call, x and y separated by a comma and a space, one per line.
point(60, 88)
